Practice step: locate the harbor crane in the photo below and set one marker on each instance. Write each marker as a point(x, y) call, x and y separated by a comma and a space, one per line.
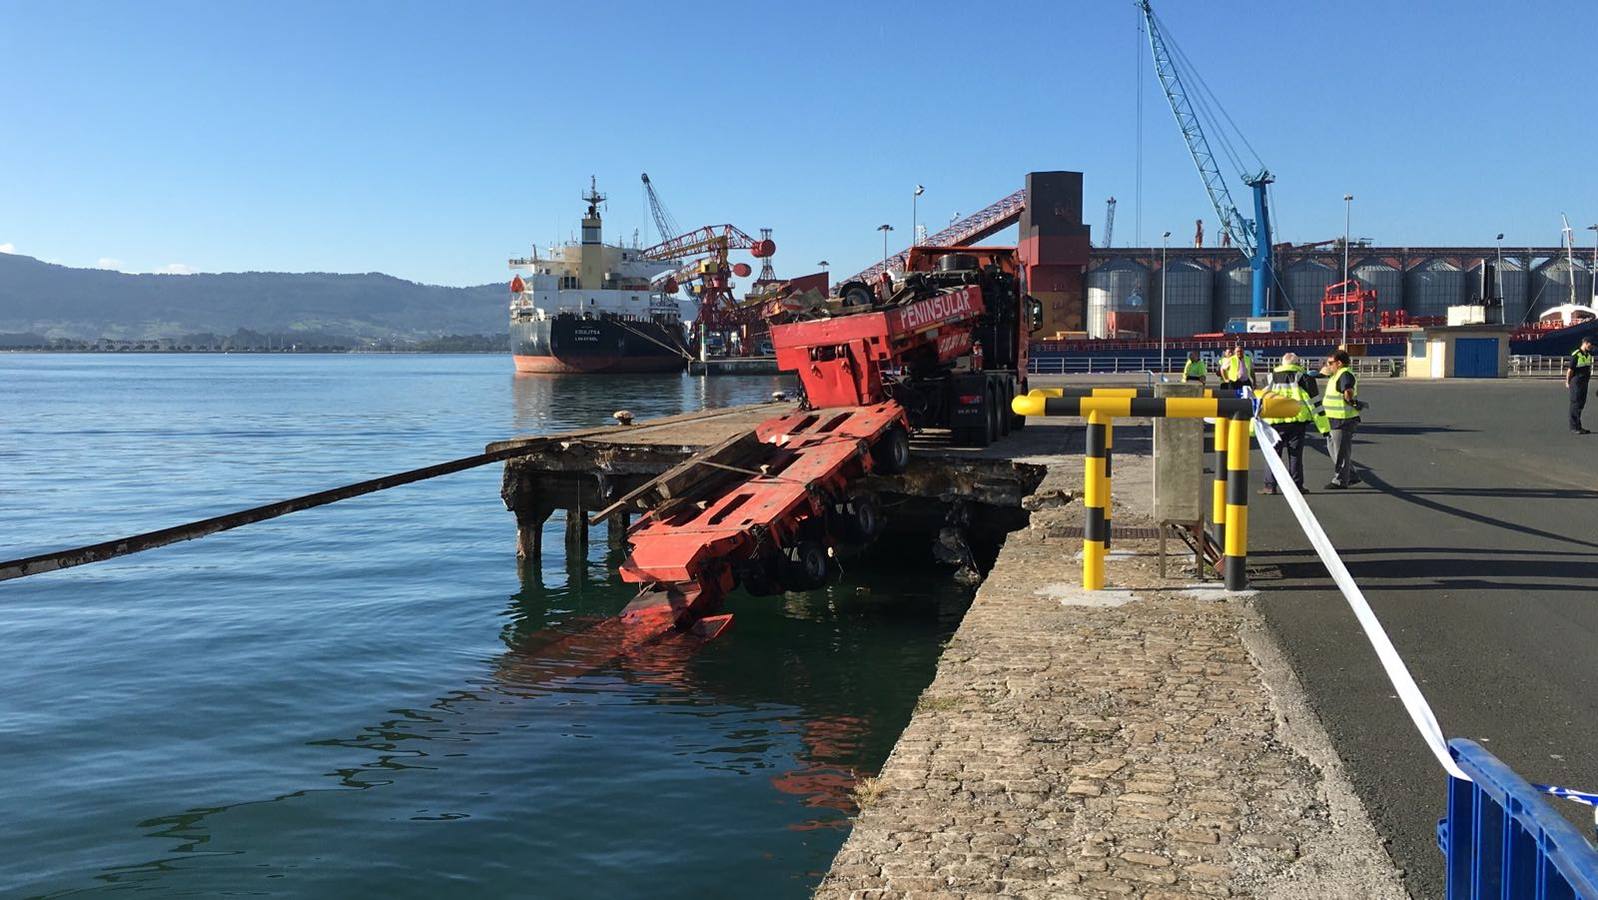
point(664, 223)
point(1251, 236)
point(705, 270)
point(1109, 222)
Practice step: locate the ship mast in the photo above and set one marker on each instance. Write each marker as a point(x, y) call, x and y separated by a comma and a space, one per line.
point(591, 269)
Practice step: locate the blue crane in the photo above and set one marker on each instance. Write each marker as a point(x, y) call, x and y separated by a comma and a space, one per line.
point(1252, 236)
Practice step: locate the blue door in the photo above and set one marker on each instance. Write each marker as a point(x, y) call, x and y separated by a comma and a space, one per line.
point(1476, 358)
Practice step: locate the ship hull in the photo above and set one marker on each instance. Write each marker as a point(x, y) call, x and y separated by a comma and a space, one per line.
point(571, 345)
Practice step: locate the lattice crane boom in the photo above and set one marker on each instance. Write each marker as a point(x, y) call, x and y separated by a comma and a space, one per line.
point(1251, 236)
point(664, 223)
point(983, 223)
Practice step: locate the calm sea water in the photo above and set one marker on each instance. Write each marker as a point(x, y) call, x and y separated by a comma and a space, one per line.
point(367, 699)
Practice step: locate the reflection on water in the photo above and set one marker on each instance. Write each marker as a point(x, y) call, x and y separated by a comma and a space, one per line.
point(546, 403)
point(365, 699)
point(757, 738)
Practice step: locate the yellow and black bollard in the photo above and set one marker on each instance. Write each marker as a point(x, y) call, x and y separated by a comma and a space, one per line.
point(1233, 432)
point(1218, 492)
point(1109, 459)
point(1234, 564)
point(1096, 529)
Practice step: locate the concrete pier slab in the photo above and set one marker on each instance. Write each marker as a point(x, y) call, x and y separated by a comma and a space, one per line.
point(1073, 746)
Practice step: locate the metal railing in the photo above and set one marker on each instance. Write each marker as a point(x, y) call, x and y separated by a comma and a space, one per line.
point(1536, 365)
point(1112, 365)
point(1501, 837)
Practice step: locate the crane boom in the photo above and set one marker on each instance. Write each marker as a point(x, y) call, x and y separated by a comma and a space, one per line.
point(1252, 236)
point(1109, 223)
point(664, 223)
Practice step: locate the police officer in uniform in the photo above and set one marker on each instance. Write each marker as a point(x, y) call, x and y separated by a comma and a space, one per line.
point(1195, 370)
point(1290, 380)
point(1342, 406)
point(1578, 375)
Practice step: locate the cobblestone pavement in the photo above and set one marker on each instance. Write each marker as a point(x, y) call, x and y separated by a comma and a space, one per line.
point(1111, 745)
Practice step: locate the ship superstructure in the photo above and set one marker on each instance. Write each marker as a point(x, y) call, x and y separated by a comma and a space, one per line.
point(590, 307)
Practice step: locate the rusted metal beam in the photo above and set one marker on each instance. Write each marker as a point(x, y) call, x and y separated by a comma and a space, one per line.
point(497, 452)
point(77, 556)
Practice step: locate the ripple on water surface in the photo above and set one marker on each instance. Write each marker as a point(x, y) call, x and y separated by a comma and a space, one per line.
point(367, 698)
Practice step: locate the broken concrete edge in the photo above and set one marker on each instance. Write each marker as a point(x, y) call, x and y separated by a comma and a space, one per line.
point(1345, 858)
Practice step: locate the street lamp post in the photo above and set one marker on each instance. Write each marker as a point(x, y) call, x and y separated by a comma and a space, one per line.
point(1348, 217)
point(823, 264)
point(1592, 281)
point(1165, 241)
point(914, 199)
point(1498, 282)
point(884, 228)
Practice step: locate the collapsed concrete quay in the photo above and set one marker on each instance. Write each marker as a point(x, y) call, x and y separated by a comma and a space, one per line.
point(1072, 743)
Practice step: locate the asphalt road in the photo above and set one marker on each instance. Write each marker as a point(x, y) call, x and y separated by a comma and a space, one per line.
point(1475, 538)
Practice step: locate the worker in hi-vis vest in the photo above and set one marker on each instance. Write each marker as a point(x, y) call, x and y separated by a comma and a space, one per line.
point(1195, 370)
point(1291, 380)
point(1237, 369)
point(1342, 406)
point(1578, 375)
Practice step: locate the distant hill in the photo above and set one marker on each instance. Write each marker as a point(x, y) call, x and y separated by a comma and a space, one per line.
point(41, 298)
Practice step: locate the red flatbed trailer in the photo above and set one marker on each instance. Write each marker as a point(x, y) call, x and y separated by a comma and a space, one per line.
point(915, 360)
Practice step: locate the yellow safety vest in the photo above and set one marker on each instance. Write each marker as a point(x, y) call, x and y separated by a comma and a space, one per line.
point(1580, 359)
point(1195, 369)
point(1334, 404)
point(1288, 386)
point(1237, 368)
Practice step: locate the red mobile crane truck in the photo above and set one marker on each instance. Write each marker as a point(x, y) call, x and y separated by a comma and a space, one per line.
point(767, 509)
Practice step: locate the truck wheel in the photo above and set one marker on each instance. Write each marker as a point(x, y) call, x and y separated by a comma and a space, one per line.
point(807, 566)
point(1018, 422)
point(856, 294)
point(758, 583)
point(891, 454)
point(1001, 411)
point(859, 519)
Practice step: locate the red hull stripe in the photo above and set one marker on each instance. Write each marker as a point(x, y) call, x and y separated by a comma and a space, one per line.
point(590, 364)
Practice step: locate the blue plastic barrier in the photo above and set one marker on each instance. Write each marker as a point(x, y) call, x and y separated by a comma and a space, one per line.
point(1502, 839)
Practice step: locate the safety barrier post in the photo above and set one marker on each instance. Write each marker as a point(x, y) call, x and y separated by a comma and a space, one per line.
point(1109, 457)
point(1218, 502)
point(1234, 567)
point(1095, 531)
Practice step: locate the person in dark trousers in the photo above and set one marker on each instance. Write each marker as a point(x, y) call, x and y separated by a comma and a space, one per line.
point(1342, 406)
point(1195, 370)
point(1290, 380)
point(1578, 375)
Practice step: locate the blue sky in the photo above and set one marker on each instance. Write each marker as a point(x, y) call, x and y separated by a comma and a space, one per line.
point(432, 141)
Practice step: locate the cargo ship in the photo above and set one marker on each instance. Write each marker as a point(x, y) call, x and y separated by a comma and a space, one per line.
point(589, 307)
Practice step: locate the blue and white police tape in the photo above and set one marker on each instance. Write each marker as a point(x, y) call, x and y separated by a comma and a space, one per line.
point(1573, 796)
point(1420, 712)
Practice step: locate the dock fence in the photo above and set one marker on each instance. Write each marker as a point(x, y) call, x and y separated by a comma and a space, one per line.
point(1067, 364)
point(1534, 366)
